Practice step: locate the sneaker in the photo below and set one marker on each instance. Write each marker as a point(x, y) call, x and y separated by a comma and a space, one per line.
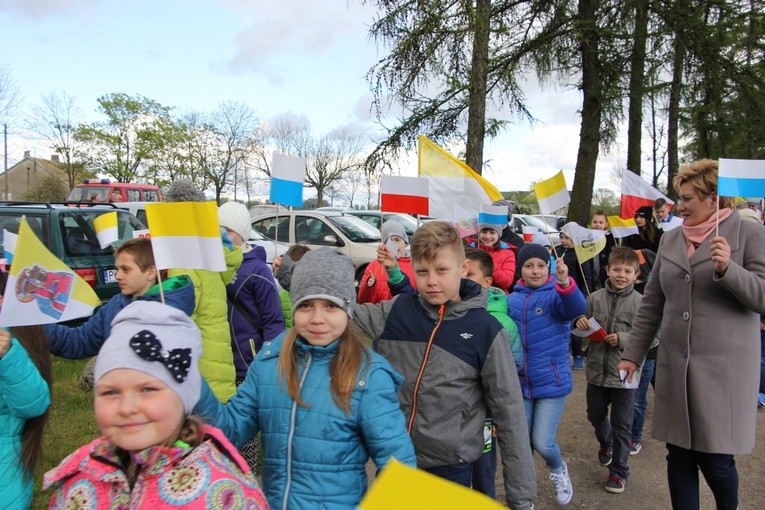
point(605, 455)
point(761, 400)
point(615, 483)
point(635, 447)
point(578, 362)
point(564, 491)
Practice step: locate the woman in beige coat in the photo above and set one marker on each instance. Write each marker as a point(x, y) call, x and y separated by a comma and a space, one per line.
point(706, 293)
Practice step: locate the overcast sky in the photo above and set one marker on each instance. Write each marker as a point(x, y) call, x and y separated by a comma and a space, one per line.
point(305, 57)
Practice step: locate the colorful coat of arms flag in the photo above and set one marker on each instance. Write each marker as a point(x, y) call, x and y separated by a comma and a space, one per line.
point(406, 488)
point(741, 177)
point(621, 227)
point(587, 242)
point(41, 289)
point(552, 194)
point(186, 235)
point(637, 193)
point(451, 181)
point(287, 176)
point(105, 226)
point(465, 220)
point(407, 195)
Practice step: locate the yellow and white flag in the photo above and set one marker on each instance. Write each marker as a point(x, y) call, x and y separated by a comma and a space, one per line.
point(552, 194)
point(587, 242)
point(41, 289)
point(621, 227)
point(451, 181)
point(105, 226)
point(185, 235)
point(407, 488)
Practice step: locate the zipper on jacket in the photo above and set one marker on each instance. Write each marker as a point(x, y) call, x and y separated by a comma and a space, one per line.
point(422, 369)
point(291, 435)
point(526, 347)
point(610, 319)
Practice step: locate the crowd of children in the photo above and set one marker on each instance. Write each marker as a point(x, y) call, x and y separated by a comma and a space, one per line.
point(470, 353)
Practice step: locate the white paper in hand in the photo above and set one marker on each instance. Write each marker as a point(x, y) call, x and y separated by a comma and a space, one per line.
point(629, 385)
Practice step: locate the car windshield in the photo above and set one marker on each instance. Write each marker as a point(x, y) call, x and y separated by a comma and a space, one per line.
point(409, 223)
point(355, 229)
point(89, 194)
point(80, 236)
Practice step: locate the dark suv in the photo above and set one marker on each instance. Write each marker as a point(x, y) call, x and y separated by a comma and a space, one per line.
point(67, 231)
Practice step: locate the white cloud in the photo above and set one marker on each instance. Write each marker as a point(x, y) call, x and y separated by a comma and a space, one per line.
point(40, 9)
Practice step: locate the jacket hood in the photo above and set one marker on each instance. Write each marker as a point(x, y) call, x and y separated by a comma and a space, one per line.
point(178, 291)
point(256, 251)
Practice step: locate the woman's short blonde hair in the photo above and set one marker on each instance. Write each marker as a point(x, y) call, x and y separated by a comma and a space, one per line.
point(702, 175)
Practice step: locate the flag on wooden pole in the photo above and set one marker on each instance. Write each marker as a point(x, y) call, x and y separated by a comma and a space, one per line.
point(41, 289)
point(407, 195)
point(105, 226)
point(587, 242)
point(621, 227)
point(552, 194)
point(741, 177)
point(637, 193)
point(185, 235)
point(451, 181)
point(287, 176)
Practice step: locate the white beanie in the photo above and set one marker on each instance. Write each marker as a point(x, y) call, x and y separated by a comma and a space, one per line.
point(158, 340)
point(235, 216)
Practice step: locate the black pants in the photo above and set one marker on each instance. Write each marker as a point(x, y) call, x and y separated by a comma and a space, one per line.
point(615, 431)
point(719, 471)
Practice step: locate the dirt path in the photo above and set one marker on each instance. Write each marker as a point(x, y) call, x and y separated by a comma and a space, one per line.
point(647, 486)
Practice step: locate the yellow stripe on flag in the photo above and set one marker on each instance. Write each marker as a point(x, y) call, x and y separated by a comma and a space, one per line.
point(616, 221)
point(104, 221)
point(551, 186)
point(406, 488)
point(187, 219)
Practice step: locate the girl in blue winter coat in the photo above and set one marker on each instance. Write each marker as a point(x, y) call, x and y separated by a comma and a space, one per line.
point(323, 401)
point(25, 376)
point(543, 307)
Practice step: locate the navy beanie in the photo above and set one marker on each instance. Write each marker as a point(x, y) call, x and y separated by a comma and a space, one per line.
point(532, 251)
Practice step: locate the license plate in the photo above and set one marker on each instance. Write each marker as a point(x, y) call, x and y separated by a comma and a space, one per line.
point(110, 276)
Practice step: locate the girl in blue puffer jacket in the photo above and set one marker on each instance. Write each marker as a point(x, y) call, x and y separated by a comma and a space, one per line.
point(322, 400)
point(543, 307)
point(25, 376)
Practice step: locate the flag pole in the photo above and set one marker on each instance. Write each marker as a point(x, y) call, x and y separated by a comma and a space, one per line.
point(159, 282)
point(581, 272)
point(717, 217)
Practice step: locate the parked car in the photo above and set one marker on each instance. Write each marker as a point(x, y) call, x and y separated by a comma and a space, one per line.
point(351, 235)
point(373, 218)
point(273, 249)
point(104, 190)
point(554, 220)
point(67, 231)
point(521, 220)
point(138, 209)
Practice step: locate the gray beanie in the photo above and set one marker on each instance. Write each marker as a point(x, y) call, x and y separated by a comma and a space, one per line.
point(532, 251)
point(158, 340)
point(393, 228)
point(541, 239)
point(235, 216)
point(183, 190)
point(494, 226)
point(324, 273)
point(284, 274)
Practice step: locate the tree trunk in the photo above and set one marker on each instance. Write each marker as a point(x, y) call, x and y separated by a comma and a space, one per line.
point(673, 129)
point(636, 92)
point(477, 95)
point(589, 134)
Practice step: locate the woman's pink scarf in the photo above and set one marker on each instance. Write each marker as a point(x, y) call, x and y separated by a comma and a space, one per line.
point(696, 234)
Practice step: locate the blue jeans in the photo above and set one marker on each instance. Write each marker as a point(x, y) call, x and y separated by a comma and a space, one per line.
point(461, 474)
point(542, 417)
point(641, 400)
point(485, 472)
point(719, 471)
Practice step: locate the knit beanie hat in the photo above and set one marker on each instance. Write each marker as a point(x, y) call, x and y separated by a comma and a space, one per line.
point(324, 273)
point(234, 215)
point(532, 251)
point(183, 190)
point(284, 274)
point(158, 340)
point(393, 228)
point(645, 212)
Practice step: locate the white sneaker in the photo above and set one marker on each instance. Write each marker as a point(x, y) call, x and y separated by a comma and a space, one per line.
point(564, 491)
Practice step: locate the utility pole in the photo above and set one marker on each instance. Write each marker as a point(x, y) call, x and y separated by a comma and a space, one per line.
point(5, 155)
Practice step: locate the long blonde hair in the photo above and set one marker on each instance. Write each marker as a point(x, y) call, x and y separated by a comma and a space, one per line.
point(343, 369)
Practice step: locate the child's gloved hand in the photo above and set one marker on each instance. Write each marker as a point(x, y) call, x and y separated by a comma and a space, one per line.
point(227, 242)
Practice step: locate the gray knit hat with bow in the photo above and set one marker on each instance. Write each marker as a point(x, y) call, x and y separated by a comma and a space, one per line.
point(324, 273)
point(158, 340)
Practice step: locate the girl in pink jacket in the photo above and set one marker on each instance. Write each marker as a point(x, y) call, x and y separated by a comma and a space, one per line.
point(152, 453)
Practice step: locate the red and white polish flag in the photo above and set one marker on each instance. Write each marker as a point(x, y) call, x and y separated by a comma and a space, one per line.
point(637, 193)
point(404, 194)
